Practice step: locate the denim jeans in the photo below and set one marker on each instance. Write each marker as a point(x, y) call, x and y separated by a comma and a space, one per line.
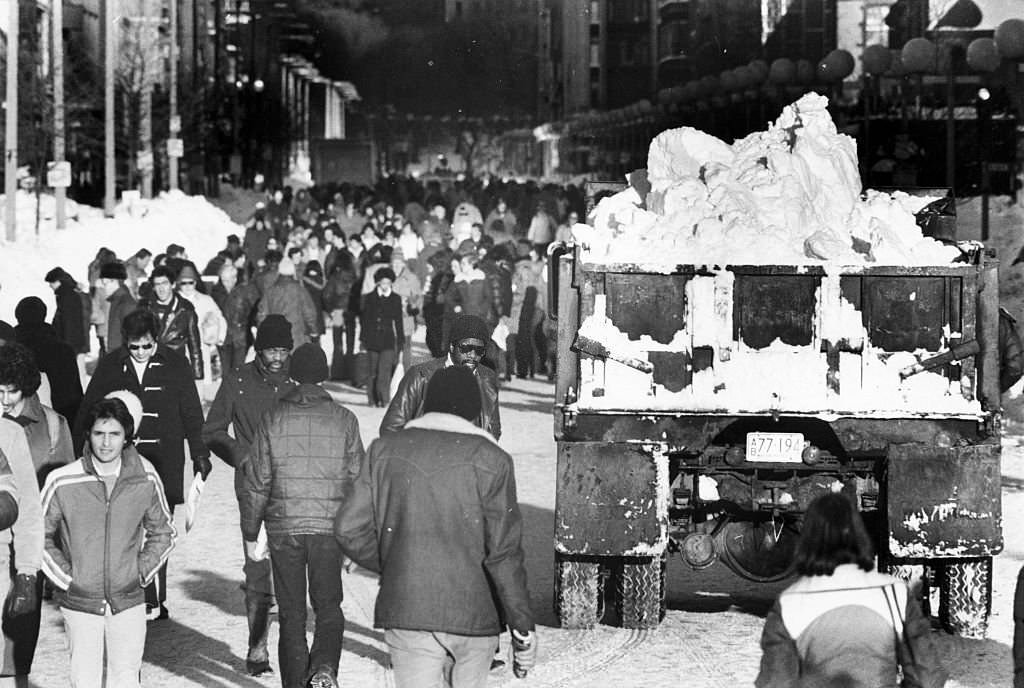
point(425, 659)
point(294, 558)
point(124, 637)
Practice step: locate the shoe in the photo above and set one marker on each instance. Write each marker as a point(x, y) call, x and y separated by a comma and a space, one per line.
point(323, 678)
point(156, 613)
point(258, 668)
point(497, 663)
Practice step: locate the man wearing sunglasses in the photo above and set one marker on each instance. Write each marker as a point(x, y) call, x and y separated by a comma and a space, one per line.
point(469, 335)
point(171, 415)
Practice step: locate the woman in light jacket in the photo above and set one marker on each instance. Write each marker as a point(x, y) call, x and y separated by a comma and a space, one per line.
point(842, 623)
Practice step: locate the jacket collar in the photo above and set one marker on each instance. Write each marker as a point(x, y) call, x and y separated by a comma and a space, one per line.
point(447, 422)
point(32, 409)
point(307, 394)
point(131, 463)
point(845, 577)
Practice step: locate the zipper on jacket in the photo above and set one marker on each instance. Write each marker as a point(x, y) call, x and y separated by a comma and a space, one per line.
point(106, 545)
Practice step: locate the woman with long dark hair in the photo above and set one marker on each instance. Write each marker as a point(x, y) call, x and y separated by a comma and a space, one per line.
point(843, 624)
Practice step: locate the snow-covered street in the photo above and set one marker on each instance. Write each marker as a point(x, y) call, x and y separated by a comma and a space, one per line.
point(710, 634)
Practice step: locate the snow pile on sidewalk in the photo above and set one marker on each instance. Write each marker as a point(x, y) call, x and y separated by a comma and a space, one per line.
point(788, 195)
point(190, 221)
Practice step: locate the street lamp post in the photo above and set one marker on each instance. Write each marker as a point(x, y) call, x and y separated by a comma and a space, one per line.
point(11, 128)
point(984, 143)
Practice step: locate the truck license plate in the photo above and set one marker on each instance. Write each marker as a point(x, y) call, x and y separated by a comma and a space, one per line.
point(781, 447)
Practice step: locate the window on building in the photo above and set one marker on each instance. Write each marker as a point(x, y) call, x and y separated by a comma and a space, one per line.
point(595, 11)
point(875, 30)
point(458, 8)
point(595, 54)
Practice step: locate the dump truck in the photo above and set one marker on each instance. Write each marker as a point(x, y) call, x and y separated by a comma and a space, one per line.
point(699, 409)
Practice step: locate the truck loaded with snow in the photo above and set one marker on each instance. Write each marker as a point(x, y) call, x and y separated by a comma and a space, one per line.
point(742, 329)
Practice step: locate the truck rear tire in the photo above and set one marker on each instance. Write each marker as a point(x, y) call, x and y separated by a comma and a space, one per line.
point(641, 592)
point(577, 592)
point(967, 596)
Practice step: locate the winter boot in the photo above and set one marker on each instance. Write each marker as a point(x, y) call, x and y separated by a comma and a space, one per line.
point(323, 678)
point(257, 661)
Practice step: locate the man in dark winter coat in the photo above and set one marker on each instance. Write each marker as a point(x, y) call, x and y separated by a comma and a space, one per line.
point(307, 455)
point(435, 512)
point(381, 332)
point(71, 319)
point(177, 323)
point(469, 337)
point(53, 356)
point(245, 395)
point(112, 282)
point(172, 414)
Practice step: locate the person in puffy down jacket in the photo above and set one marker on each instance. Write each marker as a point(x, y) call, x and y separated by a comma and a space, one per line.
point(306, 456)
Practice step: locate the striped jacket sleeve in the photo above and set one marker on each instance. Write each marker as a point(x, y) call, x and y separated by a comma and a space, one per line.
point(56, 565)
point(159, 530)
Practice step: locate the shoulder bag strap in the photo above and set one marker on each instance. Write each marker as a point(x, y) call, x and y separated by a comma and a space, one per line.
point(892, 603)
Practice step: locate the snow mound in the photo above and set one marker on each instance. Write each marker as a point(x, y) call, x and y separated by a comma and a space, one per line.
point(790, 195)
point(191, 221)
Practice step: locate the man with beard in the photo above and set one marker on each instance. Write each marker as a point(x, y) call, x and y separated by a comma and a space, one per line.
point(244, 396)
point(469, 336)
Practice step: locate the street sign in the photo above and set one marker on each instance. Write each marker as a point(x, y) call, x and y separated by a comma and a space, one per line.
point(175, 148)
point(175, 124)
point(144, 160)
point(58, 175)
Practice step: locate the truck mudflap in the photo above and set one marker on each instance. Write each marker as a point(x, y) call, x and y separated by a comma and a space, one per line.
point(944, 501)
point(612, 499)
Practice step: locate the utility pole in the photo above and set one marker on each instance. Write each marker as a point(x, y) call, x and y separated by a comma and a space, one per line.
point(172, 160)
point(60, 192)
point(11, 128)
point(109, 166)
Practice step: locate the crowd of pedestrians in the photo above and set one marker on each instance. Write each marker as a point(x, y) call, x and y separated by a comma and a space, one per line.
point(96, 473)
point(90, 478)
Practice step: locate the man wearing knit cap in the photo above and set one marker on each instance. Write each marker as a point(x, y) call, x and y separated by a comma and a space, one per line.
point(469, 335)
point(245, 395)
point(435, 512)
point(112, 278)
point(306, 456)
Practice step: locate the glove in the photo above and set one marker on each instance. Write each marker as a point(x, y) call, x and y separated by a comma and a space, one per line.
point(524, 652)
point(22, 597)
point(252, 551)
point(201, 465)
